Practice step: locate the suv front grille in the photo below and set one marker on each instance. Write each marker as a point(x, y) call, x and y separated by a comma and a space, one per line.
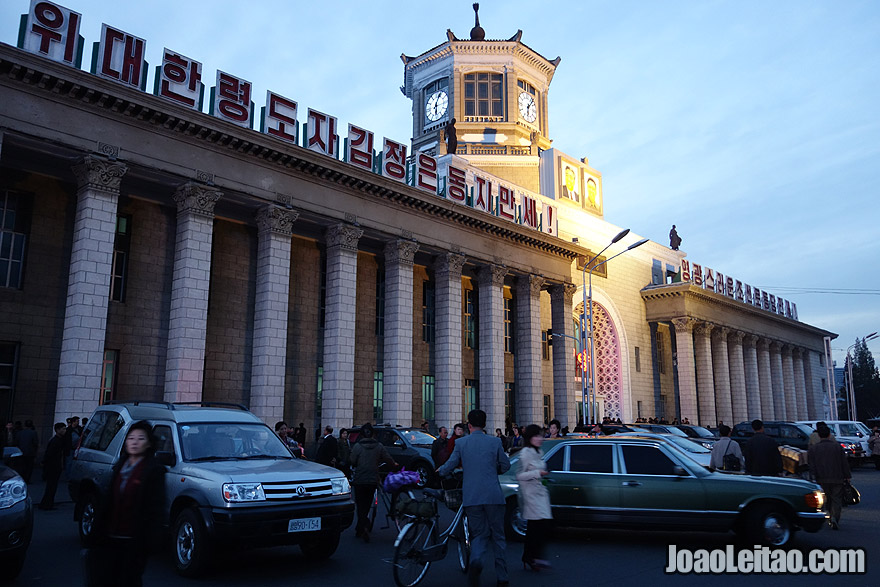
point(297, 490)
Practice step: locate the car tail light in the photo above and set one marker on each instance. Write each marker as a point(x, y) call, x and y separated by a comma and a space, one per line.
point(815, 500)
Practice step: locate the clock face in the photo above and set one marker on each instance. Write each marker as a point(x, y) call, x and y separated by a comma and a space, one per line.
point(527, 107)
point(435, 106)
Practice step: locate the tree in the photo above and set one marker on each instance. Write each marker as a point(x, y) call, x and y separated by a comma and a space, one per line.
point(866, 381)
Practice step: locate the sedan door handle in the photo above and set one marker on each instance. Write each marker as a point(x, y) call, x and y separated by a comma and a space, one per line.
point(631, 484)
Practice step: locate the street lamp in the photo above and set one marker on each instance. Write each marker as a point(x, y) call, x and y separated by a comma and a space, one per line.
point(851, 393)
point(589, 393)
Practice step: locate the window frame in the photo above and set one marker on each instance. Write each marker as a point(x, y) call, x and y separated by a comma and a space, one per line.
point(474, 83)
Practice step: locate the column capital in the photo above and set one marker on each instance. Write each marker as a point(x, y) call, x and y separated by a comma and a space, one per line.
point(98, 174)
point(275, 219)
point(786, 348)
point(531, 284)
point(491, 275)
point(736, 336)
point(344, 236)
point(703, 328)
point(776, 346)
point(401, 251)
point(196, 199)
point(563, 292)
point(720, 332)
point(683, 324)
point(798, 352)
point(451, 262)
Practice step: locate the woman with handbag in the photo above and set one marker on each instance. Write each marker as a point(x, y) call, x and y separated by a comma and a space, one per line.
point(534, 500)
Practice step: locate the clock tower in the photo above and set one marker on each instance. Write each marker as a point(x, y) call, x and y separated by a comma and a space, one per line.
point(495, 90)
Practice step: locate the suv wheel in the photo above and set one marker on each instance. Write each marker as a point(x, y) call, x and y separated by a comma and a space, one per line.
point(88, 507)
point(321, 547)
point(190, 544)
point(425, 473)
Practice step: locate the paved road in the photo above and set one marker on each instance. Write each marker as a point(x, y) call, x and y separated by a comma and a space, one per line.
point(596, 558)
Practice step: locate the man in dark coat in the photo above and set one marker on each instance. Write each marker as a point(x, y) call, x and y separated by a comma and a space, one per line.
point(829, 467)
point(29, 444)
point(366, 456)
point(53, 464)
point(762, 453)
point(439, 450)
point(328, 448)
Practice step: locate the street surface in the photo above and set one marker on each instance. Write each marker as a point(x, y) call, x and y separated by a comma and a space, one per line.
point(579, 557)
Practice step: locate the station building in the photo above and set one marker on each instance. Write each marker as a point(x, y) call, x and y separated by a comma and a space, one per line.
point(167, 246)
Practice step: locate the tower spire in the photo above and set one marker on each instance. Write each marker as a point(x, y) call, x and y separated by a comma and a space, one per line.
point(477, 33)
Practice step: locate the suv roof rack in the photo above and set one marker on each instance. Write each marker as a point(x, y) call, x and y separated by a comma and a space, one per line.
point(174, 405)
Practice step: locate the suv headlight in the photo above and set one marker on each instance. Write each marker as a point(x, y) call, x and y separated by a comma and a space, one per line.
point(12, 491)
point(707, 444)
point(238, 492)
point(340, 485)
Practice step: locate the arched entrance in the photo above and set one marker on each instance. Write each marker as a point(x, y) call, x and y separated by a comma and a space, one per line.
point(609, 382)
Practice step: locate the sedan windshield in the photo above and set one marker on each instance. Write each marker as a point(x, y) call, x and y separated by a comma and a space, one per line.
point(687, 445)
point(702, 432)
point(216, 441)
point(418, 437)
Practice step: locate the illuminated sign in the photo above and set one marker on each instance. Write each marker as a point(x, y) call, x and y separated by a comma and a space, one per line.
point(734, 288)
point(52, 31)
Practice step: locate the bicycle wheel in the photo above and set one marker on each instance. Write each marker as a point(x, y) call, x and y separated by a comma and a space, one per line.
point(408, 564)
point(463, 538)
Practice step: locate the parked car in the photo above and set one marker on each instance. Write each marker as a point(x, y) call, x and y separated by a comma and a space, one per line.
point(790, 433)
point(647, 483)
point(16, 519)
point(694, 450)
point(231, 481)
point(672, 429)
point(704, 436)
point(850, 432)
point(410, 447)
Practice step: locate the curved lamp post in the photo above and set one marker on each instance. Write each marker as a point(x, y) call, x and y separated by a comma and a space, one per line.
point(851, 393)
point(588, 392)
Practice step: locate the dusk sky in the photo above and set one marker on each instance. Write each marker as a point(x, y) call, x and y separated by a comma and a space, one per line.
point(754, 126)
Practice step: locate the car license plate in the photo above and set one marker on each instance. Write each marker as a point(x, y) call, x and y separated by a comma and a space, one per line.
point(304, 525)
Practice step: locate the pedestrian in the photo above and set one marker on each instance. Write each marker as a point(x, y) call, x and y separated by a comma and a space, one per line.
point(343, 453)
point(762, 453)
point(9, 435)
point(128, 519)
point(874, 446)
point(502, 438)
point(482, 459)
point(53, 465)
point(516, 441)
point(829, 468)
point(440, 447)
point(328, 449)
point(300, 435)
point(726, 453)
point(366, 456)
point(283, 432)
point(29, 444)
point(814, 435)
point(553, 430)
point(457, 432)
point(534, 499)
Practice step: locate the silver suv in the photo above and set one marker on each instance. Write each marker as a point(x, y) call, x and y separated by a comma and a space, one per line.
point(231, 481)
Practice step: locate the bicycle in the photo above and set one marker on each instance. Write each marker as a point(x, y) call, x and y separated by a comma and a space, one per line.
point(387, 499)
point(420, 543)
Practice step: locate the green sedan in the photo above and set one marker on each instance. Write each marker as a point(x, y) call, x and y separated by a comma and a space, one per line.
point(650, 484)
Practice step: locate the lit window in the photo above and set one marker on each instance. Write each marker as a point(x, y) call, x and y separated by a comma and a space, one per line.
point(428, 397)
point(508, 325)
point(12, 239)
point(470, 318)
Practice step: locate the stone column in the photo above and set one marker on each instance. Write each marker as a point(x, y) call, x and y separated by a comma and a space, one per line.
point(337, 399)
point(738, 396)
point(563, 354)
point(490, 280)
point(191, 281)
point(448, 338)
point(791, 401)
point(814, 374)
point(88, 286)
point(685, 366)
point(753, 385)
point(527, 366)
point(776, 381)
point(805, 401)
point(398, 363)
point(768, 408)
point(721, 369)
point(655, 370)
point(275, 225)
point(705, 379)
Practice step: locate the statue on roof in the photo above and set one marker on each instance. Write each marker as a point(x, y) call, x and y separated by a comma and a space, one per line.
point(451, 137)
point(674, 239)
point(477, 33)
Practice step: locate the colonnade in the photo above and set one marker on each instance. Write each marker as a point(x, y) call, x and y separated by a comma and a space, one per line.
point(727, 375)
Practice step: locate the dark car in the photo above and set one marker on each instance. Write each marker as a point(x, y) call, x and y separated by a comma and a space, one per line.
point(410, 447)
point(641, 483)
point(790, 433)
point(702, 435)
point(16, 520)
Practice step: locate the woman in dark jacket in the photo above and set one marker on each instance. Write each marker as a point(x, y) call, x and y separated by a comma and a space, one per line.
point(366, 456)
point(128, 523)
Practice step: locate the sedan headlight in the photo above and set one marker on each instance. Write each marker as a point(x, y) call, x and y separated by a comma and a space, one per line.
point(340, 485)
point(12, 491)
point(239, 492)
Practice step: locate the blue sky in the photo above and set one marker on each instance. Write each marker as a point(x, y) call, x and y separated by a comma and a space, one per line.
point(753, 126)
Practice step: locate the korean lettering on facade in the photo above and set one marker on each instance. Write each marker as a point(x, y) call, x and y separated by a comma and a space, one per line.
point(120, 57)
point(53, 31)
point(359, 147)
point(179, 79)
point(279, 117)
point(232, 99)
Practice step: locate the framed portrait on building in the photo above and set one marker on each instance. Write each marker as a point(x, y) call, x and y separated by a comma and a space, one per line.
point(593, 195)
point(570, 184)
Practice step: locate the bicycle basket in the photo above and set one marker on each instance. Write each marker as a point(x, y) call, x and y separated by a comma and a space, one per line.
point(453, 498)
point(408, 505)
